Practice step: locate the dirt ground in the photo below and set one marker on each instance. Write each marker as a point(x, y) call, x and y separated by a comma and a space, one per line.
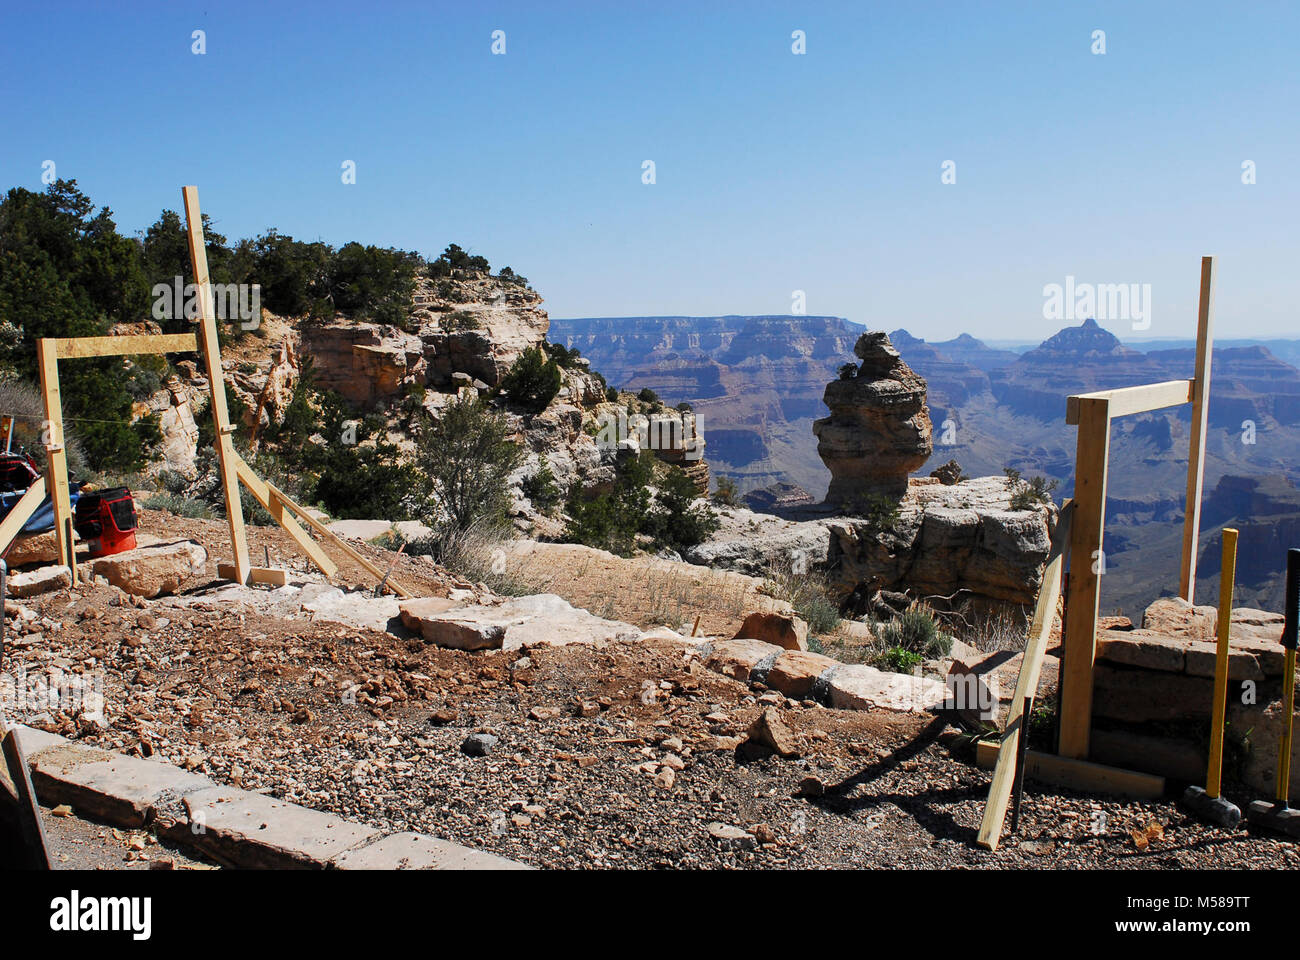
point(371, 726)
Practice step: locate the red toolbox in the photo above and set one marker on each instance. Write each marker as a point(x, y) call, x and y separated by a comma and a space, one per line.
point(105, 519)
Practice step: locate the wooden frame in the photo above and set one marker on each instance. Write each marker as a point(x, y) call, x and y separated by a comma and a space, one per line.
point(234, 470)
point(1093, 413)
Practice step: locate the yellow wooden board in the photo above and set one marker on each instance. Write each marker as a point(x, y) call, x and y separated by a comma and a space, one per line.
point(1082, 775)
point(71, 348)
point(1200, 421)
point(1127, 400)
point(995, 810)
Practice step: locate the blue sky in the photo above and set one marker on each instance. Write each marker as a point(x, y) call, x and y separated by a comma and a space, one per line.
point(775, 172)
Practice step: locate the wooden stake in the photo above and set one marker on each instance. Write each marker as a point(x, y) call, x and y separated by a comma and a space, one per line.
point(1200, 420)
point(226, 458)
point(1004, 774)
point(1086, 562)
point(56, 477)
point(31, 847)
point(22, 511)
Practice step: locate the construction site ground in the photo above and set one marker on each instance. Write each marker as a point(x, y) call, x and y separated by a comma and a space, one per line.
point(370, 726)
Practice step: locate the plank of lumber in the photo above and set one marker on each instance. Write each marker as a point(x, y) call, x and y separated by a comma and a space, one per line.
point(56, 476)
point(216, 381)
point(1004, 774)
point(391, 584)
point(22, 511)
point(275, 507)
point(1086, 563)
point(1140, 399)
point(1082, 775)
point(32, 848)
point(1200, 420)
point(275, 576)
point(69, 348)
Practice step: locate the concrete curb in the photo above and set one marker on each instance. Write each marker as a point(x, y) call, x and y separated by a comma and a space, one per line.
point(235, 827)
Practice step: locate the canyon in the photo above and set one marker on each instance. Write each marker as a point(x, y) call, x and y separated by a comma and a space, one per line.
point(756, 385)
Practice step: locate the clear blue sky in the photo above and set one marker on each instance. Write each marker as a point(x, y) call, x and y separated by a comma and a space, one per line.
point(775, 172)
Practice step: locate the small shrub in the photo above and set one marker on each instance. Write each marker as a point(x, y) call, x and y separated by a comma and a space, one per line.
point(1032, 493)
point(611, 395)
point(467, 459)
point(679, 520)
point(532, 381)
point(879, 511)
point(898, 660)
point(809, 593)
point(916, 630)
point(726, 494)
point(646, 395)
point(461, 320)
point(178, 505)
point(541, 489)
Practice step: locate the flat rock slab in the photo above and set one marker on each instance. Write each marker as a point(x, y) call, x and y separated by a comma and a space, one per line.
point(415, 851)
point(153, 569)
point(254, 831)
point(539, 619)
point(41, 580)
point(1249, 658)
point(119, 789)
point(859, 687)
point(355, 608)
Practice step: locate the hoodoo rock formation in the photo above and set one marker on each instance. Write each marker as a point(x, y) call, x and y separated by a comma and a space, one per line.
point(879, 428)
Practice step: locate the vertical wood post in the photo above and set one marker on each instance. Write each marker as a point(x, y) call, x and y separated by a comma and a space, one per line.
point(1196, 451)
point(1086, 562)
point(226, 456)
point(56, 477)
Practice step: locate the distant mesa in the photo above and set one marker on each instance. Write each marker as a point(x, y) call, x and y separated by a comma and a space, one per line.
point(778, 497)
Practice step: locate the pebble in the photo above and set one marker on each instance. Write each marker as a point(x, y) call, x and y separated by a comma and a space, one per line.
point(478, 744)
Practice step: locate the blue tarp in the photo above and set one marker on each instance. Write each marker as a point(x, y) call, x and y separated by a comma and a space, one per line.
point(43, 519)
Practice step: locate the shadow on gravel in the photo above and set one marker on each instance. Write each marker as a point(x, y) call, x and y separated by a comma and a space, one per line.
point(838, 799)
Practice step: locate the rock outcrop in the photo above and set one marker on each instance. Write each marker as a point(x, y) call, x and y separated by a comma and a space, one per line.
point(958, 542)
point(879, 428)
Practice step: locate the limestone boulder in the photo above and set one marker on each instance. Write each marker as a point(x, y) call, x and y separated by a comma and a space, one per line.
point(860, 687)
point(795, 672)
point(41, 580)
point(153, 569)
point(36, 548)
point(781, 629)
point(738, 658)
point(539, 619)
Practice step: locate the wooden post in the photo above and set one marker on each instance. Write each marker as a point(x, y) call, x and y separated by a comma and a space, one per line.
point(226, 457)
point(56, 477)
point(1218, 713)
point(1087, 562)
point(1014, 733)
point(1196, 451)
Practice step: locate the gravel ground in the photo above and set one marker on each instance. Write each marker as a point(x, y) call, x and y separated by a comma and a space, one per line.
point(616, 756)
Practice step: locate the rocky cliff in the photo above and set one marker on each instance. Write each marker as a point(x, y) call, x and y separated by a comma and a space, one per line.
point(475, 327)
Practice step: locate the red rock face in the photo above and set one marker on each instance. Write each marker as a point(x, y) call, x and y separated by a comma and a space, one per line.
point(879, 428)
